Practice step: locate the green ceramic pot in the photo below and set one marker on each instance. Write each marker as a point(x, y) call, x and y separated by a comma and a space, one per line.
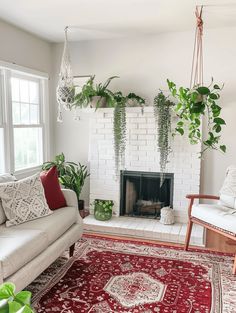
point(103, 209)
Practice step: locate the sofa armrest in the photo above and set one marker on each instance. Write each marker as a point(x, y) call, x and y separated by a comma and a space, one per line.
point(71, 198)
point(1, 275)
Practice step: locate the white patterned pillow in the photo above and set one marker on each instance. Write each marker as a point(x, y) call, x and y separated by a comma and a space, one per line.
point(4, 178)
point(23, 200)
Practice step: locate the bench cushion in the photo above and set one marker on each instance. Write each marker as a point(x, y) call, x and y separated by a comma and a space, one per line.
point(18, 247)
point(220, 216)
point(53, 225)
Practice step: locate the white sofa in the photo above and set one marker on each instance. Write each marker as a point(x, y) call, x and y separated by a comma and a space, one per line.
point(26, 250)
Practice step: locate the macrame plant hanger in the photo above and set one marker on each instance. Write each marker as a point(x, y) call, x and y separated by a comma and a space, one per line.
point(65, 88)
point(197, 62)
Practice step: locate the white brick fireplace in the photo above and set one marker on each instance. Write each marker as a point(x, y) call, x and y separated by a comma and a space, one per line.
point(141, 155)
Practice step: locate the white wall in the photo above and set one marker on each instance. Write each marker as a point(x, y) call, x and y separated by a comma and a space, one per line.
point(22, 48)
point(143, 64)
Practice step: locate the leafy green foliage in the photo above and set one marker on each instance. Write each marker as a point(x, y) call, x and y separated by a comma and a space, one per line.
point(192, 105)
point(90, 90)
point(105, 204)
point(71, 175)
point(119, 130)
point(162, 113)
point(13, 303)
point(114, 100)
point(135, 99)
point(119, 123)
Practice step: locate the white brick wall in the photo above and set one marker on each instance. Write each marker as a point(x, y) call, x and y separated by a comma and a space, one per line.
point(141, 155)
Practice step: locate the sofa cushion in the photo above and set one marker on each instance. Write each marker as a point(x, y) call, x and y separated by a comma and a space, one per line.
point(55, 224)
point(23, 200)
point(4, 178)
point(19, 246)
point(217, 215)
point(52, 189)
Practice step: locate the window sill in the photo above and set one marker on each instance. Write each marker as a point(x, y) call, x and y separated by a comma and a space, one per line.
point(27, 172)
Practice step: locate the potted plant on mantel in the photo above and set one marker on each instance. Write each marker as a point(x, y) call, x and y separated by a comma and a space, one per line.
point(71, 175)
point(163, 114)
point(95, 96)
point(119, 123)
point(100, 96)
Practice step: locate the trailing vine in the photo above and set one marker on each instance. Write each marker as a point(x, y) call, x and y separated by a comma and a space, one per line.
point(119, 130)
point(192, 105)
point(119, 124)
point(162, 114)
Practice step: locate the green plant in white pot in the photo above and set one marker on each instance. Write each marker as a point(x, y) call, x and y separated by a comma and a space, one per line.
point(11, 302)
point(103, 209)
point(95, 96)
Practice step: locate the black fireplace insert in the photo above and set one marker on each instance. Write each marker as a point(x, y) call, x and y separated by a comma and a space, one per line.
point(142, 195)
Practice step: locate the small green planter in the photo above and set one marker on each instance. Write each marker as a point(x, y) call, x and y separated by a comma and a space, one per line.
point(103, 209)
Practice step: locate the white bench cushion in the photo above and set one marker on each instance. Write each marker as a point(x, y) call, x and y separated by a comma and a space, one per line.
point(18, 247)
point(55, 224)
point(217, 215)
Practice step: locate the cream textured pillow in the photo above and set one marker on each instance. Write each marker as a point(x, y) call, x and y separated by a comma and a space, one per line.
point(4, 178)
point(23, 200)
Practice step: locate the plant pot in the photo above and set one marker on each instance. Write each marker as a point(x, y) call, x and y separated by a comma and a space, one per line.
point(94, 102)
point(81, 204)
point(103, 209)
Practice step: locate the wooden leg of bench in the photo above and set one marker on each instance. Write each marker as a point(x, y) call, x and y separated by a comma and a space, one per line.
point(188, 234)
point(234, 268)
point(72, 249)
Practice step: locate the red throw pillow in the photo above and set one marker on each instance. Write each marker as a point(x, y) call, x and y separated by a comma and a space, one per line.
point(54, 195)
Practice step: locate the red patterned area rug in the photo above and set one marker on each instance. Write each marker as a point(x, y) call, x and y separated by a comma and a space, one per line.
point(108, 276)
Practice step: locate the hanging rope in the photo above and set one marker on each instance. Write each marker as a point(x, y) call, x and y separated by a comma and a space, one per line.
point(65, 88)
point(197, 62)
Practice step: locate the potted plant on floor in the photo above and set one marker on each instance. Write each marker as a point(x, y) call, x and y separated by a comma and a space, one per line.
point(11, 302)
point(71, 175)
point(103, 209)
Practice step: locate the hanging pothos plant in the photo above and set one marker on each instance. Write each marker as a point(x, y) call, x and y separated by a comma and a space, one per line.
point(162, 112)
point(192, 105)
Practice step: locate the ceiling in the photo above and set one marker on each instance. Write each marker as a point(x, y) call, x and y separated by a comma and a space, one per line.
point(100, 19)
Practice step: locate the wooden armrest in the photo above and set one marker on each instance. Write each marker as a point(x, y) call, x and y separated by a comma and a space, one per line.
point(195, 196)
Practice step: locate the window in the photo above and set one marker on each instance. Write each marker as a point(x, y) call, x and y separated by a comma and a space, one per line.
point(2, 156)
point(22, 125)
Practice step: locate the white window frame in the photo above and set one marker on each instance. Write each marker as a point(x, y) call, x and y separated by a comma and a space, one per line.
point(8, 70)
